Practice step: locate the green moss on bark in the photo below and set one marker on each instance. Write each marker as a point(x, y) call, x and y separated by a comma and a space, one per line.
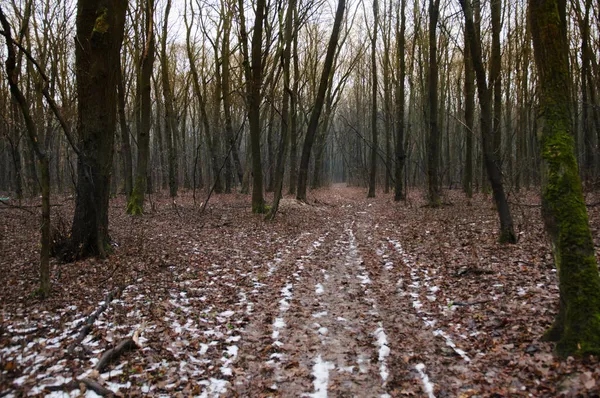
point(101, 25)
point(577, 329)
point(577, 326)
point(258, 207)
point(135, 204)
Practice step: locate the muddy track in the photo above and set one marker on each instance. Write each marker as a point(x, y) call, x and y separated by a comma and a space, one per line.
point(333, 332)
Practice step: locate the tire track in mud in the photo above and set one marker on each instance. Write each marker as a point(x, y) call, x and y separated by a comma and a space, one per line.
point(328, 338)
point(262, 350)
point(413, 347)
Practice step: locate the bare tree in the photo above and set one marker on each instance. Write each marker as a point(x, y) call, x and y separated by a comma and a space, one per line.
point(285, 112)
point(254, 74)
point(41, 152)
point(319, 101)
point(170, 116)
point(400, 93)
point(135, 203)
point(433, 153)
point(97, 70)
point(507, 233)
point(374, 148)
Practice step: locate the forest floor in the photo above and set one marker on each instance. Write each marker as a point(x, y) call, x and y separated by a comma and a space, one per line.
point(341, 296)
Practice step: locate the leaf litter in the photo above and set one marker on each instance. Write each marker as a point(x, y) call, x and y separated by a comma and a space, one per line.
point(341, 296)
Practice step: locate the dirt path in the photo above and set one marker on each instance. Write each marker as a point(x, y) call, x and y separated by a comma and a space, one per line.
point(343, 297)
point(329, 336)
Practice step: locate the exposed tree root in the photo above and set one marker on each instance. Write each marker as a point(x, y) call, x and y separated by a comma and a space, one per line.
point(89, 384)
point(114, 353)
point(89, 322)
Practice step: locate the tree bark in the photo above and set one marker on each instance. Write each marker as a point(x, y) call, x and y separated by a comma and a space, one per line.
point(469, 117)
point(100, 26)
point(285, 111)
point(170, 117)
point(433, 153)
point(374, 144)
point(577, 326)
point(400, 93)
point(507, 233)
point(41, 153)
point(324, 82)
point(135, 204)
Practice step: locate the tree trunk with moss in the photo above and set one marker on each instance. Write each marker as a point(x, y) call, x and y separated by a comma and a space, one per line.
point(135, 203)
point(100, 26)
point(577, 325)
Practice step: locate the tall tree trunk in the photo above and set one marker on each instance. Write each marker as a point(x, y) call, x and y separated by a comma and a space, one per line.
point(523, 133)
point(201, 101)
point(227, 97)
point(126, 157)
point(374, 144)
point(507, 233)
point(508, 136)
point(469, 117)
point(387, 98)
point(319, 100)
point(170, 116)
point(577, 326)
point(270, 147)
point(433, 153)
point(285, 111)
point(135, 204)
point(159, 139)
point(496, 78)
point(100, 26)
point(214, 140)
point(41, 152)
point(400, 93)
point(294, 115)
point(184, 137)
point(253, 69)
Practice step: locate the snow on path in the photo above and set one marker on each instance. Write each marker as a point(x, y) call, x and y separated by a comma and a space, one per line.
point(427, 385)
point(284, 305)
point(379, 333)
point(384, 351)
point(334, 331)
point(320, 373)
point(410, 262)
